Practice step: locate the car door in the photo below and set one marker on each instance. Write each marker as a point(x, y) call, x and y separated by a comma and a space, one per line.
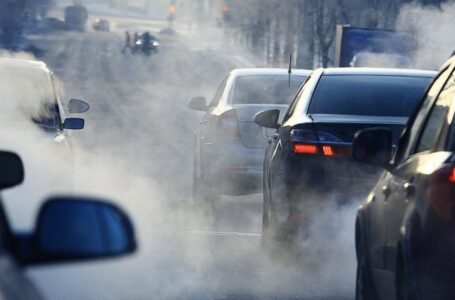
point(425, 156)
point(202, 135)
point(277, 171)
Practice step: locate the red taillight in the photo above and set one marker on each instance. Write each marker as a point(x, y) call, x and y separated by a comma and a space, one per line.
point(328, 150)
point(305, 149)
point(452, 176)
point(440, 192)
point(308, 141)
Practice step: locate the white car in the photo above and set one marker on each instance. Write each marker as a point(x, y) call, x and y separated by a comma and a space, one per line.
point(229, 146)
point(33, 123)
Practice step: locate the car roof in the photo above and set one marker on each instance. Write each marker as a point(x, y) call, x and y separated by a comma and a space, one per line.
point(268, 71)
point(24, 64)
point(379, 71)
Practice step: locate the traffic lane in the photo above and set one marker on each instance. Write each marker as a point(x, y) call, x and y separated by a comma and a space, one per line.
point(239, 268)
point(139, 118)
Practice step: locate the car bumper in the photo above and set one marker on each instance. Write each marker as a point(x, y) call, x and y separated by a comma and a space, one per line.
point(321, 176)
point(237, 170)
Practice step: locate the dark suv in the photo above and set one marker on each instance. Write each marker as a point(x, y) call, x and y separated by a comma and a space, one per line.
point(405, 230)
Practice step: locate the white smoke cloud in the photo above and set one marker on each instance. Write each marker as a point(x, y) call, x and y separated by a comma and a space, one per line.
point(433, 29)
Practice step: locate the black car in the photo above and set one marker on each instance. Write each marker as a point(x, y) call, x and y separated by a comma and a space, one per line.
point(308, 160)
point(146, 44)
point(68, 229)
point(405, 230)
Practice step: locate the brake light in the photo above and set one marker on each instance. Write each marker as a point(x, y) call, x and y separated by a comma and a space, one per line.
point(452, 176)
point(328, 150)
point(440, 192)
point(305, 149)
point(306, 141)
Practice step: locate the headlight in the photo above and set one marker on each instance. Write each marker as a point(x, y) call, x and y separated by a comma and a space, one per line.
point(156, 44)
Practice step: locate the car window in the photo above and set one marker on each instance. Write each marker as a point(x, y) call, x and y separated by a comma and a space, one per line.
point(219, 92)
point(411, 133)
point(368, 95)
point(437, 117)
point(49, 118)
point(296, 100)
point(266, 89)
point(29, 93)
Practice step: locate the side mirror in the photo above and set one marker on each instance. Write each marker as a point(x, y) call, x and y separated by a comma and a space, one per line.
point(198, 104)
point(268, 118)
point(74, 123)
point(11, 170)
point(75, 228)
point(76, 106)
point(373, 146)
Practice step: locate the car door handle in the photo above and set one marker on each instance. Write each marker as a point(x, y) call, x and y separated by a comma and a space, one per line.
point(203, 122)
point(409, 189)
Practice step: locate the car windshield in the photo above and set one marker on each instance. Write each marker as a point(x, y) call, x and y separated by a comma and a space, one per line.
point(266, 89)
point(25, 92)
point(368, 95)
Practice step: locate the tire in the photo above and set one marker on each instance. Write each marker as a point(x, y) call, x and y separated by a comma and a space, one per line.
point(364, 285)
point(277, 240)
point(406, 288)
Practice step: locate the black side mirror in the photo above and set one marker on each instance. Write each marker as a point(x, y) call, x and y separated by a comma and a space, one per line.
point(75, 228)
point(11, 170)
point(373, 146)
point(268, 118)
point(74, 123)
point(198, 104)
point(76, 106)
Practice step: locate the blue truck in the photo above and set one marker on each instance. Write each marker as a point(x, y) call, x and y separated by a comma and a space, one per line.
point(368, 47)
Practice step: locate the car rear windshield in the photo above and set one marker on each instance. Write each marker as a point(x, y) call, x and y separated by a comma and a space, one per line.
point(266, 89)
point(370, 95)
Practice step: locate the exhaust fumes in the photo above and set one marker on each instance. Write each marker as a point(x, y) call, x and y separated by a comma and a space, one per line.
point(433, 29)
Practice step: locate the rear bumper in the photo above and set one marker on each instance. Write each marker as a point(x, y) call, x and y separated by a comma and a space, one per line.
point(235, 169)
point(342, 177)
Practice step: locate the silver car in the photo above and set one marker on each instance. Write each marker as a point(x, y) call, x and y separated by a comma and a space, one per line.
point(229, 146)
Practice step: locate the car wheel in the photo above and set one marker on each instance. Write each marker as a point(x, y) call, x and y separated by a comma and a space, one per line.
point(405, 283)
point(277, 240)
point(363, 285)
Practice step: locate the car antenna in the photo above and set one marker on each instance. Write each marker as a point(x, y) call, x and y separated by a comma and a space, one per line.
point(290, 69)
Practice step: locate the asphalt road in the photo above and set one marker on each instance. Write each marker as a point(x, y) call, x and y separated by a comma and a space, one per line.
point(137, 149)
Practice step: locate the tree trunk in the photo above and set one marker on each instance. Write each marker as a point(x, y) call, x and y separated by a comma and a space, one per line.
point(305, 55)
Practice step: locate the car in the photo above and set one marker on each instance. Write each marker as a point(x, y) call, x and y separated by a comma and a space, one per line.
point(229, 147)
point(145, 43)
point(35, 125)
point(308, 161)
point(68, 230)
point(101, 25)
point(29, 92)
point(405, 229)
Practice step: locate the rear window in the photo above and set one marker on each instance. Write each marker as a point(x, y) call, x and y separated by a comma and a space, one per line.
point(369, 95)
point(266, 89)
